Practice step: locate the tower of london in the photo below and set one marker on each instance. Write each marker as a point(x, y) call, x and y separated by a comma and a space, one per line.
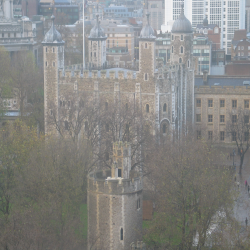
point(165, 96)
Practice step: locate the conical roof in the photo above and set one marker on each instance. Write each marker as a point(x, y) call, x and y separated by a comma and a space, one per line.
point(182, 24)
point(53, 36)
point(147, 31)
point(97, 31)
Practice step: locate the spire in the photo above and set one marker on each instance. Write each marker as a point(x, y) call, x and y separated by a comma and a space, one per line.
point(147, 15)
point(147, 31)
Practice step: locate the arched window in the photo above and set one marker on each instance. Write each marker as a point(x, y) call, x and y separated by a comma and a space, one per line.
point(46, 49)
point(188, 63)
point(146, 76)
point(180, 60)
point(106, 106)
point(172, 49)
point(106, 156)
point(121, 234)
point(53, 50)
point(164, 128)
point(147, 108)
point(146, 45)
point(66, 125)
point(86, 126)
point(172, 37)
point(107, 127)
point(181, 37)
point(182, 49)
point(165, 107)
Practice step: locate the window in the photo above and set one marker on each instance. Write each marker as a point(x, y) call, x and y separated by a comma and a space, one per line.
point(107, 158)
point(46, 63)
point(222, 118)
point(54, 64)
point(8, 34)
point(164, 128)
point(147, 108)
point(165, 107)
point(53, 50)
point(210, 135)
point(181, 37)
point(172, 37)
point(246, 104)
point(222, 135)
point(146, 45)
point(234, 118)
point(246, 136)
point(198, 103)
point(198, 134)
point(145, 76)
point(234, 103)
point(106, 106)
point(210, 103)
point(119, 172)
point(172, 49)
point(188, 64)
point(210, 118)
point(233, 136)
point(46, 49)
point(198, 117)
point(181, 49)
point(138, 203)
point(222, 103)
point(3, 36)
point(107, 127)
point(180, 60)
point(66, 125)
point(246, 118)
point(86, 126)
point(121, 233)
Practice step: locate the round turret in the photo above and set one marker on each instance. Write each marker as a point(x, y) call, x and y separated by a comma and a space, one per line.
point(182, 24)
point(147, 31)
point(97, 32)
point(53, 36)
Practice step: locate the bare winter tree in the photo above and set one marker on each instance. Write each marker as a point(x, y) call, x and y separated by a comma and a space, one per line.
point(101, 123)
point(238, 128)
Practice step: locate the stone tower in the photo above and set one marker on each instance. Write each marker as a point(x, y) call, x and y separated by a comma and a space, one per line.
point(115, 204)
point(53, 59)
point(147, 52)
point(182, 54)
point(182, 40)
point(97, 46)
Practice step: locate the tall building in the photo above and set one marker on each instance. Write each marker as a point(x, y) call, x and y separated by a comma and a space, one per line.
point(229, 15)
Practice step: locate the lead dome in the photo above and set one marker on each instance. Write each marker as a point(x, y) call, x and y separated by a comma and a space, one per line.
point(182, 24)
point(97, 31)
point(53, 36)
point(147, 31)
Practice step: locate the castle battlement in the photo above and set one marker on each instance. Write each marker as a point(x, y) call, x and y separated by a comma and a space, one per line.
point(76, 71)
point(101, 182)
point(219, 90)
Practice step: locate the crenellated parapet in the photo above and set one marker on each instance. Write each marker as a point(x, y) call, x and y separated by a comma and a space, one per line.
point(226, 90)
point(76, 72)
point(101, 182)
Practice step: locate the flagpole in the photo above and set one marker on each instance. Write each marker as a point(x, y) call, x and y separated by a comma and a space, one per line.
point(83, 34)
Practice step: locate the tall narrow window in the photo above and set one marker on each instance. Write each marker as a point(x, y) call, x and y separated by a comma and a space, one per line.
point(165, 107)
point(53, 50)
point(182, 49)
point(172, 49)
point(180, 60)
point(119, 172)
point(147, 108)
point(46, 49)
point(188, 63)
point(146, 45)
point(164, 129)
point(234, 103)
point(146, 76)
point(121, 234)
point(181, 37)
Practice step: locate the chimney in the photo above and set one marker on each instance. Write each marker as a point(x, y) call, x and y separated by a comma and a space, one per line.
point(205, 75)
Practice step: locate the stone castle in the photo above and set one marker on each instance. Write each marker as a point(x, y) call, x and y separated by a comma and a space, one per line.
point(167, 92)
